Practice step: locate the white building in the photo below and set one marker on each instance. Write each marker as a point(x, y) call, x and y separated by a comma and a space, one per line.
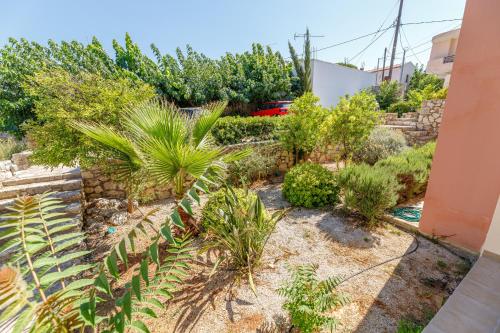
point(330, 81)
point(404, 79)
point(444, 47)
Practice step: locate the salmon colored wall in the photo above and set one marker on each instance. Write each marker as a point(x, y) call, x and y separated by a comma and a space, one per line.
point(465, 178)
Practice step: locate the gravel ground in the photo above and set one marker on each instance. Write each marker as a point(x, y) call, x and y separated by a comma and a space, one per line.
point(412, 287)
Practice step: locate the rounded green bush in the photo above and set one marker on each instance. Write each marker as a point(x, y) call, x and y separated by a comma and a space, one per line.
point(210, 214)
point(382, 143)
point(368, 190)
point(310, 185)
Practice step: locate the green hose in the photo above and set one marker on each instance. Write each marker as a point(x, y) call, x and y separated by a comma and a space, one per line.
point(410, 214)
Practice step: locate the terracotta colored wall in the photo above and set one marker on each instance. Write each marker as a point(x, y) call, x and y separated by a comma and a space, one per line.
point(465, 179)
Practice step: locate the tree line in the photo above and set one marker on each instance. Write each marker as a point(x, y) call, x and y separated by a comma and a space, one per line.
point(187, 79)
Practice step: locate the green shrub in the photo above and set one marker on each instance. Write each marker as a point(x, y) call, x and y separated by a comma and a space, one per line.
point(62, 98)
point(9, 147)
point(388, 94)
point(382, 143)
point(231, 130)
point(408, 326)
point(350, 123)
point(210, 215)
point(260, 164)
point(307, 299)
point(401, 108)
point(239, 230)
point(368, 190)
point(300, 133)
point(310, 185)
point(412, 169)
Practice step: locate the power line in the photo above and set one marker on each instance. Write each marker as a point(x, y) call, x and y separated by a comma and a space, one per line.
point(436, 21)
point(370, 44)
point(409, 46)
point(355, 39)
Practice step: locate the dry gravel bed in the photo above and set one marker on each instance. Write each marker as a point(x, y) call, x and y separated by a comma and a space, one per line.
point(411, 287)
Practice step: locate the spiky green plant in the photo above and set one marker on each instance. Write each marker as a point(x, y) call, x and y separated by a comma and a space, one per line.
point(160, 144)
point(308, 299)
point(304, 69)
point(242, 236)
point(42, 287)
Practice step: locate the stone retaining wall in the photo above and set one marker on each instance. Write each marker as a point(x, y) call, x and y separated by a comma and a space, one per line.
point(100, 184)
point(430, 116)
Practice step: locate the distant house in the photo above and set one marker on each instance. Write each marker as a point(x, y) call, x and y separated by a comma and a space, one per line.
point(444, 47)
point(383, 73)
point(331, 81)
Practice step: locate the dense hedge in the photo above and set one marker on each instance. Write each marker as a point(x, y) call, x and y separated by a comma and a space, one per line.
point(231, 130)
point(310, 185)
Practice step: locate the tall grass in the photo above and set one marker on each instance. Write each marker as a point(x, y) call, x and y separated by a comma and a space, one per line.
point(8, 147)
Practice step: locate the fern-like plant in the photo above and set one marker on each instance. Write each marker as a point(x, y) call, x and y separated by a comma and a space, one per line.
point(42, 243)
point(308, 299)
point(42, 288)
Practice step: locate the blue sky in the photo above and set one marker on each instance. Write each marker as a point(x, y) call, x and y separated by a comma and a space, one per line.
point(218, 26)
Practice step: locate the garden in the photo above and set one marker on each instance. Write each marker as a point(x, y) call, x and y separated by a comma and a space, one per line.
point(272, 224)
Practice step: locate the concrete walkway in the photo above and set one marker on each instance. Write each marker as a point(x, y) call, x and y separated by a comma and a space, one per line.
point(474, 307)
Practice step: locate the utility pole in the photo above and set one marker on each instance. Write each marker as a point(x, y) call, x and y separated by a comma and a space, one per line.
point(376, 76)
point(402, 67)
point(396, 35)
point(383, 66)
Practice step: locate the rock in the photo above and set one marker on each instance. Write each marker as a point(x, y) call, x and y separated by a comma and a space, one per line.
point(118, 219)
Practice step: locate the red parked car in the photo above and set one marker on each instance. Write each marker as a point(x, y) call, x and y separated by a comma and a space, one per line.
point(277, 108)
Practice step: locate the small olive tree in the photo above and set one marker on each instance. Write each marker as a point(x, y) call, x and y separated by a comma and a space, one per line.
point(300, 132)
point(350, 123)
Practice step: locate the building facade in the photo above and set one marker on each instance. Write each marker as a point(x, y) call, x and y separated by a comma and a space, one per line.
point(442, 57)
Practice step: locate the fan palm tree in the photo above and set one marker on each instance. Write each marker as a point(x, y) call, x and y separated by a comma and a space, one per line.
point(160, 144)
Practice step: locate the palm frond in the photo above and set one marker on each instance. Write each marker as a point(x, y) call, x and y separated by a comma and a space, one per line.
point(121, 147)
point(206, 121)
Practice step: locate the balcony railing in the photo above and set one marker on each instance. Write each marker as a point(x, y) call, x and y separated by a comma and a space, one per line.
point(448, 59)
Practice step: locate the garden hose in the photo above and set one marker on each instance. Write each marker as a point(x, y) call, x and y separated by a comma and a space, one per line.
point(410, 214)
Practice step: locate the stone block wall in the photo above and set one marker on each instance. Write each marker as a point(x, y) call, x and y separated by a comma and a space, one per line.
point(100, 184)
point(430, 116)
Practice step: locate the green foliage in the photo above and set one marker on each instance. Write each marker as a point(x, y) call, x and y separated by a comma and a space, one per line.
point(63, 97)
point(416, 97)
point(370, 191)
point(408, 326)
point(243, 234)
point(217, 201)
point(310, 185)
point(412, 169)
point(41, 243)
point(232, 130)
point(382, 143)
point(260, 164)
point(20, 60)
point(160, 144)
point(9, 147)
point(345, 63)
point(300, 129)
point(350, 123)
point(189, 79)
point(255, 77)
point(388, 94)
point(401, 108)
point(307, 299)
point(420, 79)
point(423, 86)
point(303, 69)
